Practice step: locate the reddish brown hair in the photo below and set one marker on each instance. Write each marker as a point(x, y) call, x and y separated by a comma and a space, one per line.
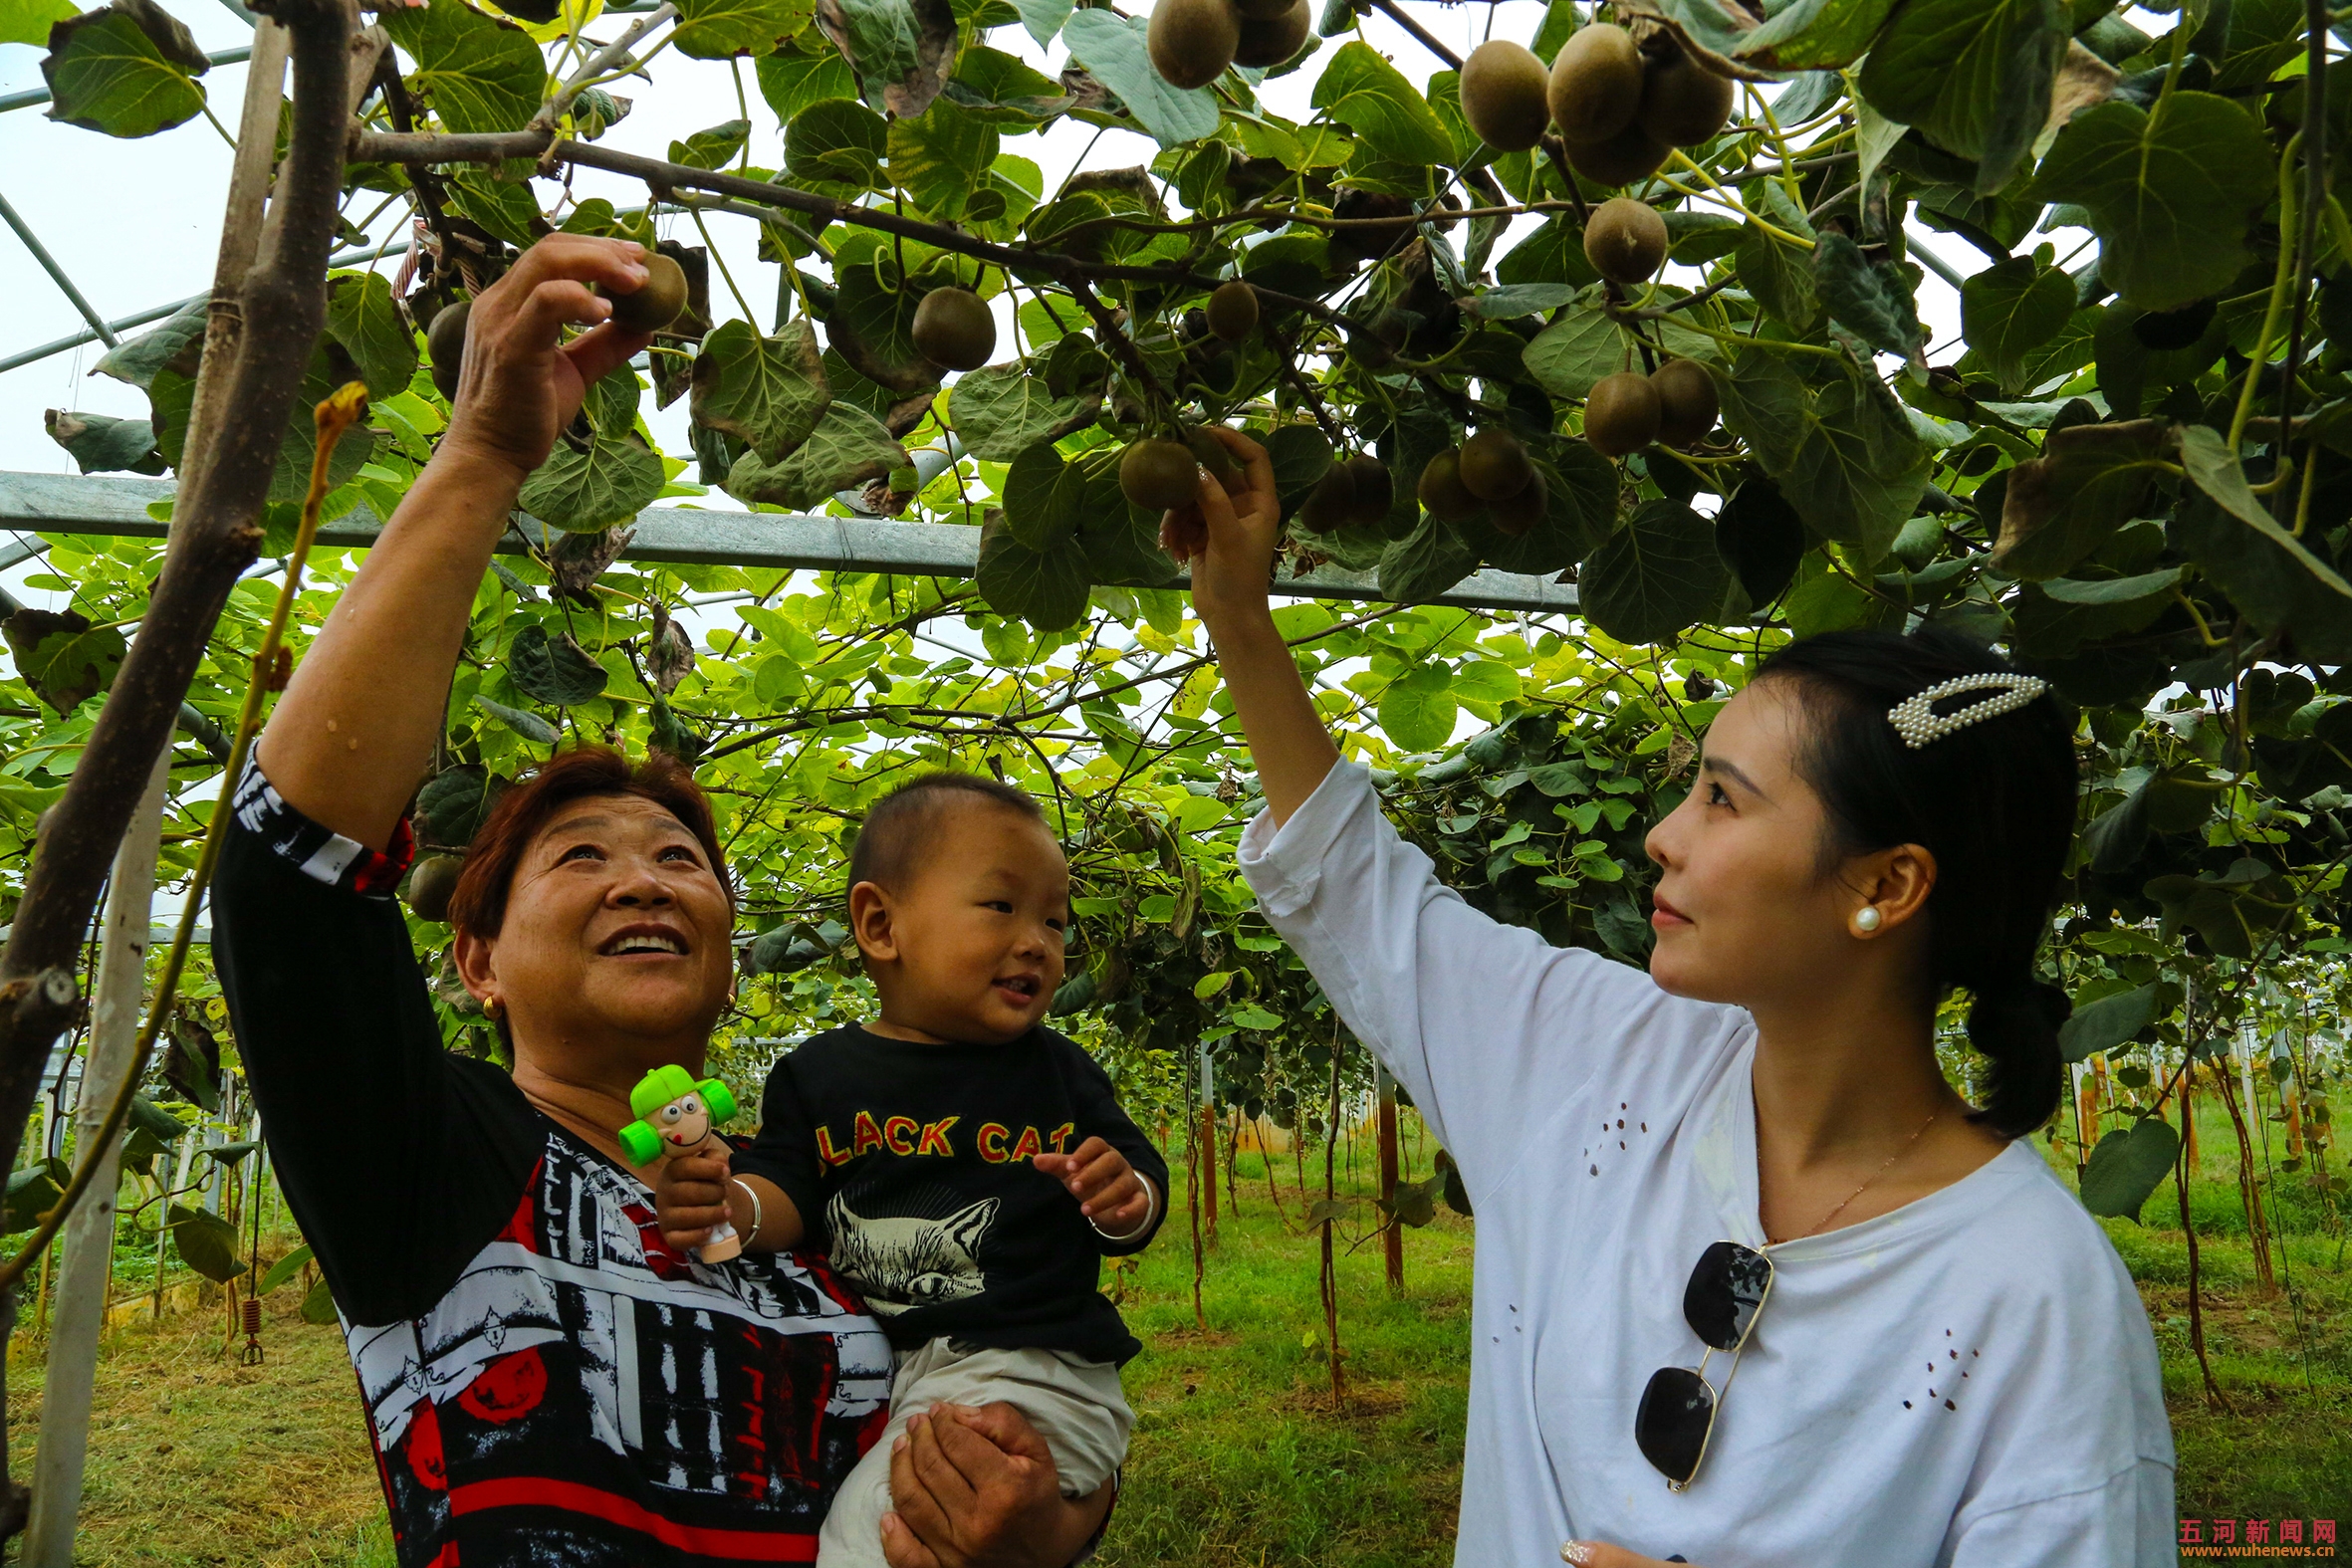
point(479, 903)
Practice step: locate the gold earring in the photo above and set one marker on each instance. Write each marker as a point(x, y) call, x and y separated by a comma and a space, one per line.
point(492, 1008)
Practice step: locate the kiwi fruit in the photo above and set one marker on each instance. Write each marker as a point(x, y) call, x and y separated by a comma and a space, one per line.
point(1688, 402)
point(1682, 104)
point(1631, 154)
point(1518, 515)
point(1269, 40)
point(1375, 491)
point(954, 329)
point(1621, 413)
point(445, 345)
point(1158, 474)
point(431, 883)
point(1261, 10)
point(1442, 491)
point(1625, 240)
point(1505, 92)
point(653, 304)
point(1369, 241)
point(1210, 454)
point(1191, 41)
point(1233, 309)
point(1495, 467)
point(1331, 505)
point(1595, 86)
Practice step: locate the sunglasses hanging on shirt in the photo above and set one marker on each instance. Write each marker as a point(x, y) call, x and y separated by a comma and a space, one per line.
point(1722, 1303)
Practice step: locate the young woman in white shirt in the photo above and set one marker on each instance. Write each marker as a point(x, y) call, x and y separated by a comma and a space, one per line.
point(1747, 1164)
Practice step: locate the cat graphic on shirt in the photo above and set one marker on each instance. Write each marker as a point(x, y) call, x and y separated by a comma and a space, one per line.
point(904, 1262)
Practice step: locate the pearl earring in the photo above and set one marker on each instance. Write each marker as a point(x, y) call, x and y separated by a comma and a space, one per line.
point(1866, 918)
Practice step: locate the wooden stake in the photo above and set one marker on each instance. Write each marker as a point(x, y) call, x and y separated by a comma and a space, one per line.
point(1331, 1280)
point(1192, 1193)
point(1233, 1155)
point(1207, 1142)
point(1393, 1242)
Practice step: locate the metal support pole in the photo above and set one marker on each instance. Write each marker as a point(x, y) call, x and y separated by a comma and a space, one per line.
point(175, 1174)
point(81, 1315)
point(57, 273)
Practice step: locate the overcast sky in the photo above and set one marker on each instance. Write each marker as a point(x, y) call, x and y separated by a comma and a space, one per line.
point(136, 223)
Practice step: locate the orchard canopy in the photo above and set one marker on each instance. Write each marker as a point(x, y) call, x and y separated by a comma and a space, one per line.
point(2131, 468)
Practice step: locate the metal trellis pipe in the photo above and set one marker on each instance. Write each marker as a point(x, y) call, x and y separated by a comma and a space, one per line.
point(118, 506)
point(366, 253)
point(57, 273)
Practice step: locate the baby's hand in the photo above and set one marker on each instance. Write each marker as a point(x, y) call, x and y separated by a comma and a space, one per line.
point(1108, 1190)
point(689, 1198)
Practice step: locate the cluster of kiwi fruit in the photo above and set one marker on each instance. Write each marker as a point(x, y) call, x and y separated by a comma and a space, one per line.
point(1621, 111)
point(648, 308)
point(1192, 42)
point(1490, 470)
point(1160, 473)
point(1677, 404)
point(1356, 491)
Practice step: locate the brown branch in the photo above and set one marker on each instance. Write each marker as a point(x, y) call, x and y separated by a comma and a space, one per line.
point(601, 64)
point(215, 536)
point(834, 716)
point(1115, 339)
point(1286, 360)
point(431, 197)
point(665, 178)
point(1250, 215)
point(1421, 35)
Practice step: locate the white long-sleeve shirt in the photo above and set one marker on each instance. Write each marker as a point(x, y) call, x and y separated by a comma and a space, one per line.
point(1966, 1382)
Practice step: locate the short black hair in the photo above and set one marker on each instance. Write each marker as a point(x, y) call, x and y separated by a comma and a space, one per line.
point(900, 824)
point(1994, 801)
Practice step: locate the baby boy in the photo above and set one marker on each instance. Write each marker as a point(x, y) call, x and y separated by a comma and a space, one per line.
point(966, 1169)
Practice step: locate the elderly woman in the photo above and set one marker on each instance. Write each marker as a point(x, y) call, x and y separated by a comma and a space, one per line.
point(547, 1380)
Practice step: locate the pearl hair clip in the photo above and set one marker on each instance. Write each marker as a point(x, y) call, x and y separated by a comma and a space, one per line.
point(1917, 722)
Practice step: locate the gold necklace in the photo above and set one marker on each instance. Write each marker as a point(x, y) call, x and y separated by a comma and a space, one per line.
point(1857, 1192)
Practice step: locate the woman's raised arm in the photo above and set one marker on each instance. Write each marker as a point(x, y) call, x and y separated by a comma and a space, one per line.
point(356, 726)
point(1488, 1025)
point(1229, 540)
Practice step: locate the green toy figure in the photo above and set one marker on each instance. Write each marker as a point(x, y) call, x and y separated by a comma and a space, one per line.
point(679, 1116)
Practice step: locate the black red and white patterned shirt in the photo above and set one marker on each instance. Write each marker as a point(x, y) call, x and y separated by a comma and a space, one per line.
point(548, 1383)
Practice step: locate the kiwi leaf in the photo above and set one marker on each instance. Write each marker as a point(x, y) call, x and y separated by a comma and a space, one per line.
point(1047, 589)
point(767, 393)
point(1001, 411)
point(1653, 577)
point(551, 670)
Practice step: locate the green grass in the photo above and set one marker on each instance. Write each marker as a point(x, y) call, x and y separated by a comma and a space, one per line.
point(195, 1459)
point(1240, 1457)
point(2283, 1360)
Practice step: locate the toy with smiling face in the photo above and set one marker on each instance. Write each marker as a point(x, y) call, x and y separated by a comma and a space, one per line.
point(679, 1116)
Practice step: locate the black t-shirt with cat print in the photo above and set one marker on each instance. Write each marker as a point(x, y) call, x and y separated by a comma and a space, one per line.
point(911, 1166)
